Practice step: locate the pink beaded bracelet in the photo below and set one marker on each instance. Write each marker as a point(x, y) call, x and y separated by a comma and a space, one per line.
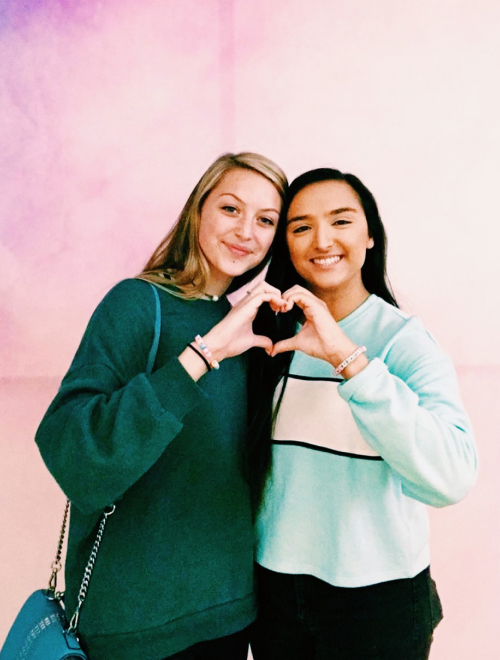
point(348, 360)
point(207, 352)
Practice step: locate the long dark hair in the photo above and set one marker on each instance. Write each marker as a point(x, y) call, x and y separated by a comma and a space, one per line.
point(264, 372)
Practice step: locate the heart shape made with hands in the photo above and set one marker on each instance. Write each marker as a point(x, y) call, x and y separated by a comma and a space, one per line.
point(319, 332)
point(320, 335)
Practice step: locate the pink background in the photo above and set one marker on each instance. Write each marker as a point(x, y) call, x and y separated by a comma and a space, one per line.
point(110, 112)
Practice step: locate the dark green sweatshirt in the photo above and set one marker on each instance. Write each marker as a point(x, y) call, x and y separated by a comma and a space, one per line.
point(175, 564)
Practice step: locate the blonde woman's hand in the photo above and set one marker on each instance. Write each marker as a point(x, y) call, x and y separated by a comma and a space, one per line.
point(320, 335)
point(234, 334)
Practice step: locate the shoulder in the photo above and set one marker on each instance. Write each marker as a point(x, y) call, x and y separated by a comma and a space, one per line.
point(129, 297)
point(396, 337)
point(387, 322)
point(120, 331)
point(127, 308)
point(128, 292)
point(379, 315)
point(407, 344)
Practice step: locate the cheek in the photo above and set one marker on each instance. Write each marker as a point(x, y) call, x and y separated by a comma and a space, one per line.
point(295, 251)
point(211, 225)
point(203, 236)
point(265, 239)
point(359, 244)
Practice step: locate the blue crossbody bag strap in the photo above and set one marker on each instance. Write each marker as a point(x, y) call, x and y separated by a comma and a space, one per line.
point(156, 340)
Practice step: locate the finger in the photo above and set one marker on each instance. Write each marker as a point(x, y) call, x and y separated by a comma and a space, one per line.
point(287, 306)
point(298, 292)
point(246, 294)
point(260, 341)
point(265, 296)
point(284, 346)
point(275, 306)
point(297, 289)
point(263, 286)
point(280, 305)
point(306, 300)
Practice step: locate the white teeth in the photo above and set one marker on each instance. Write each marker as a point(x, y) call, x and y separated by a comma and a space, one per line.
point(328, 261)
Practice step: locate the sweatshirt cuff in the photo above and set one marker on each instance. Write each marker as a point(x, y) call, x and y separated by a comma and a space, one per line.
point(348, 388)
point(176, 391)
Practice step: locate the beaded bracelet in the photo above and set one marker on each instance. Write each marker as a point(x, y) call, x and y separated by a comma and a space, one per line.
point(207, 352)
point(348, 360)
point(200, 355)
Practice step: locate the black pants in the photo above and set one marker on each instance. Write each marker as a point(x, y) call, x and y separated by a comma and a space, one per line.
point(303, 618)
point(232, 647)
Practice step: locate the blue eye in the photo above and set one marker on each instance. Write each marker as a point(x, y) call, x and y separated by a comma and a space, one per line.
point(268, 221)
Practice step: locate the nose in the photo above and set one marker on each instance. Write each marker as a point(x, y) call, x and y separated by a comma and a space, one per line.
point(323, 236)
point(244, 227)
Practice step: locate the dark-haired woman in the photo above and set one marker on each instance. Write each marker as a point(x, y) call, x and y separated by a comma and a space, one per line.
point(174, 573)
point(366, 428)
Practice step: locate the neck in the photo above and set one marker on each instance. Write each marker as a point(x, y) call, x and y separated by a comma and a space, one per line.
point(342, 302)
point(217, 286)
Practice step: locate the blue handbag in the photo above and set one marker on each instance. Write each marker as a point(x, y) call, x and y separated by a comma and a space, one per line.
point(41, 630)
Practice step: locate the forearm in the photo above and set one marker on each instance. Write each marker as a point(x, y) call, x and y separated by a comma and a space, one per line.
point(426, 439)
point(97, 439)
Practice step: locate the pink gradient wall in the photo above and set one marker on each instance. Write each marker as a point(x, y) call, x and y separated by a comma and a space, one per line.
point(110, 111)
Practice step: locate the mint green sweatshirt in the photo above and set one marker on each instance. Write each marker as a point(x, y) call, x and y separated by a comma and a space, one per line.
point(355, 462)
point(176, 563)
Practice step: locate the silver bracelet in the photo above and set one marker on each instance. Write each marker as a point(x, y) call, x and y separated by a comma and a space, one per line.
point(359, 351)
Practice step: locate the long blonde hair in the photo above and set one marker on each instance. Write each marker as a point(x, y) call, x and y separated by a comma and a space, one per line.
point(178, 261)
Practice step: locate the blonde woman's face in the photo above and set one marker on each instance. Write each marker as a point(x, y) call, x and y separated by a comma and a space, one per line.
point(237, 225)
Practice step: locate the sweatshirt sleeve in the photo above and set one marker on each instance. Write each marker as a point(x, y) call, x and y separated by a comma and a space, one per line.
point(408, 409)
point(110, 421)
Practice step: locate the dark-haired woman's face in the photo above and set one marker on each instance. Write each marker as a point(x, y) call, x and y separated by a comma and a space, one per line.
point(327, 235)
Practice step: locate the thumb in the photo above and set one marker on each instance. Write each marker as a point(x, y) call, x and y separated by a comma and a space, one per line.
point(284, 346)
point(263, 342)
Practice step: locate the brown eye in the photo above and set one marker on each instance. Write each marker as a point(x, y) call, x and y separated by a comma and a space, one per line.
point(300, 230)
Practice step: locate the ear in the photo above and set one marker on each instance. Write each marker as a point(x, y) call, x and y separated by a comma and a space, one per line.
point(370, 243)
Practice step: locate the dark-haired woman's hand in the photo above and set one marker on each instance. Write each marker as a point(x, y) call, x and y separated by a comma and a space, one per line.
point(320, 335)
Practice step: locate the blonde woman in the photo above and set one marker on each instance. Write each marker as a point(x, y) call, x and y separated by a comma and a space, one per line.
point(174, 575)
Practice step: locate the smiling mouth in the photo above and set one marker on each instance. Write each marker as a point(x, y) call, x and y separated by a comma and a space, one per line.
point(326, 261)
point(237, 250)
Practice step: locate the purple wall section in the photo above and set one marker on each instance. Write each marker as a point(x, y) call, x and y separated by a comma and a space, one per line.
point(110, 112)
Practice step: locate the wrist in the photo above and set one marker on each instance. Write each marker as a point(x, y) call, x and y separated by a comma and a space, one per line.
point(193, 364)
point(206, 352)
point(341, 352)
point(214, 345)
point(352, 362)
point(355, 367)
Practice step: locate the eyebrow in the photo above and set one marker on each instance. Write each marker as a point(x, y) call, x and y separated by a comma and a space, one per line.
point(242, 202)
point(345, 209)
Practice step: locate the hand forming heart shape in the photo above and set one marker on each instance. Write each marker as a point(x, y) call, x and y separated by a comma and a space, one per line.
point(320, 336)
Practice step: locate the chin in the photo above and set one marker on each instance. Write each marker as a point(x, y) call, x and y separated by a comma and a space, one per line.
point(325, 282)
point(234, 270)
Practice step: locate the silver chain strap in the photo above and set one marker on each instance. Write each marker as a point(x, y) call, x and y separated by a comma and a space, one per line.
point(73, 624)
point(56, 564)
